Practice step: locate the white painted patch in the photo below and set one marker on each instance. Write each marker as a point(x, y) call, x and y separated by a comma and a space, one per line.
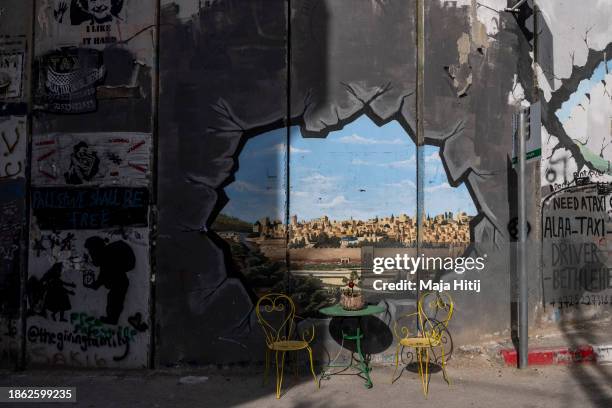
point(543, 83)
point(487, 11)
point(574, 27)
point(603, 352)
point(516, 96)
point(589, 123)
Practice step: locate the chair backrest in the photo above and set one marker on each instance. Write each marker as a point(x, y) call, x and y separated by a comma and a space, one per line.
point(437, 306)
point(276, 316)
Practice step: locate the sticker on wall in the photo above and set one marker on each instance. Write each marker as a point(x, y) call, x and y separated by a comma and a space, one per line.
point(67, 80)
point(13, 143)
point(87, 298)
point(91, 159)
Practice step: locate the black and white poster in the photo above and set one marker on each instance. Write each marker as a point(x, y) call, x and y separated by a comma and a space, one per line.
point(68, 79)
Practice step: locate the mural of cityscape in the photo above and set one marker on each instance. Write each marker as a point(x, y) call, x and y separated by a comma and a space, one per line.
point(354, 188)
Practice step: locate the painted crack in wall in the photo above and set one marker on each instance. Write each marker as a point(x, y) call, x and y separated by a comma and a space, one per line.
point(556, 128)
point(325, 95)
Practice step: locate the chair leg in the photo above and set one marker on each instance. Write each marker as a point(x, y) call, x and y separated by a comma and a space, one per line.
point(317, 383)
point(267, 366)
point(427, 374)
point(419, 353)
point(446, 377)
point(397, 352)
point(279, 373)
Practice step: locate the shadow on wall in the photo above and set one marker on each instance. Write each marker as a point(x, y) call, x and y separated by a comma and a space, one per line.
point(251, 227)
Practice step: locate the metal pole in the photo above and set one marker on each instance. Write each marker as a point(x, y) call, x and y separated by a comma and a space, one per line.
point(420, 134)
point(522, 218)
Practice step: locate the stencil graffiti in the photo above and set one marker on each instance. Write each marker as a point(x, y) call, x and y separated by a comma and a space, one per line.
point(50, 293)
point(84, 164)
point(114, 260)
point(91, 11)
point(91, 159)
point(67, 80)
point(12, 146)
point(86, 294)
point(99, 19)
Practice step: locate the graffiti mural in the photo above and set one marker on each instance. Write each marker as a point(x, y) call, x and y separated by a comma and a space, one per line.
point(88, 282)
point(90, 11)
point(67, 80)
point(87, 292)
point(576, 228)
point(13, 143)
point(12, 217)
point(353, 189)
point(91, 159)
point(91, 23)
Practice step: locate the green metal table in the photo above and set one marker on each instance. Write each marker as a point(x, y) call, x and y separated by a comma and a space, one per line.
point(359, 363)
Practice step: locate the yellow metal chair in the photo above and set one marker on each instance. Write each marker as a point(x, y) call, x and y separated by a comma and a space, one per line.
point(434, 311)
point(276, 316)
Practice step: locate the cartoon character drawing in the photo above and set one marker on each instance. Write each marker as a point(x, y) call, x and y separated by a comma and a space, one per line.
point(94, 11)
point(114, 260)
point(84, 164)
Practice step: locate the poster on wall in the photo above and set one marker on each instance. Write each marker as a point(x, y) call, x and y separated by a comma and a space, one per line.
point(96, 24)
point(98, 20)
point(11, 71)
point(88, 298)
point(12, 60)
point(91, 159)
point(67, 80)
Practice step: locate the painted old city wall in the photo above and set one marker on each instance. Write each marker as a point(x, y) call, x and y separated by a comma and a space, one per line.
point(280, 155)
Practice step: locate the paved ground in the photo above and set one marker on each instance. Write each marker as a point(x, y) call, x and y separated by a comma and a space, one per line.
point(477, 383)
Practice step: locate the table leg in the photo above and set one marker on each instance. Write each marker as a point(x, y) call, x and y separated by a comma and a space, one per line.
point(363, 364)
point(360, 363)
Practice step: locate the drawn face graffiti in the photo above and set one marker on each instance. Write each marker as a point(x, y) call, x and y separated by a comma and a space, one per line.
point(94, 11)
point(100, 9)
point(84, 164)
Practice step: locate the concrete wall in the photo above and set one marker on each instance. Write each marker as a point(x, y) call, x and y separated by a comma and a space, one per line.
point(160, 200)
point(15, 79)
point(89, 269)
point(573, 74)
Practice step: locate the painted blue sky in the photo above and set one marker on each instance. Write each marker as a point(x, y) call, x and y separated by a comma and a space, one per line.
point(360, 171)
point(584, 87)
